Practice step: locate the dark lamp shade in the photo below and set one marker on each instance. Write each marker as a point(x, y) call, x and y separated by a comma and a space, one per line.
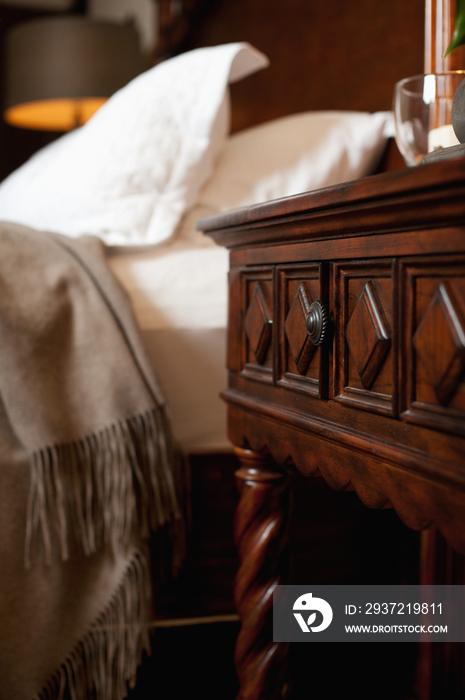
point(59, 71)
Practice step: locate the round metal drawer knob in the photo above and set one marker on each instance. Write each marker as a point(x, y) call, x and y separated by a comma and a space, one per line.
point(317, 323)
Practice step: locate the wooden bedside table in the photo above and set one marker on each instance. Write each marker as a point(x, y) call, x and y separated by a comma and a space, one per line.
point(346, 357)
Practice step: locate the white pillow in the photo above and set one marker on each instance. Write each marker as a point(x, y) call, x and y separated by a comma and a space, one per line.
point(129, 174)
point(296, 154)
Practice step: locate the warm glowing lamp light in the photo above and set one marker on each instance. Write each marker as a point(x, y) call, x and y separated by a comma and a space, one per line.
point(59, 71)
point(53, 115)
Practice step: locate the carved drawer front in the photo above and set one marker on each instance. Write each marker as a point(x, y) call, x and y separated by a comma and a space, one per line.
point(365, 335)
point(301, 360)
point(257, 323)
point(433, 347)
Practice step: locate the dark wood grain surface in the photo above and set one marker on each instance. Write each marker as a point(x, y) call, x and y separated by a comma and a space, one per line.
point(324, 55)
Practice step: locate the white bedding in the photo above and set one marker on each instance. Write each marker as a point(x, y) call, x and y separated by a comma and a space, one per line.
point(129, 174)
point(156, 142)
point(179, 289)
point(179, 294)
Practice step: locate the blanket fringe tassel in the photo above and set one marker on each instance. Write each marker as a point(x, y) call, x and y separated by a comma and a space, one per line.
point(104, 663)
point(94, 491)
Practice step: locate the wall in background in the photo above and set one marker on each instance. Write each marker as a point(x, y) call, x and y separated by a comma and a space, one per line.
point(142, 12)
point(56, 5)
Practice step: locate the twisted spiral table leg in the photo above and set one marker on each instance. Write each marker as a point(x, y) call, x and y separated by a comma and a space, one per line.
point(261, 537)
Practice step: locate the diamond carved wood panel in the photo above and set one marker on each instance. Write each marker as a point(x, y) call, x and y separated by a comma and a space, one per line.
point(300, 345)
point(368, 335)
point(439, 343)
point(258, 324)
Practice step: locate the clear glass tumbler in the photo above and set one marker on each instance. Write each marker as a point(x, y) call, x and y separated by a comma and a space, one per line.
point(422, 111)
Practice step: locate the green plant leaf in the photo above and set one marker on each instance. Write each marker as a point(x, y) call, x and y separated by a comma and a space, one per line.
point(458, 38)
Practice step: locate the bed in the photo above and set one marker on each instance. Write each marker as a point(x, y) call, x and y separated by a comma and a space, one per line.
point(343, 58)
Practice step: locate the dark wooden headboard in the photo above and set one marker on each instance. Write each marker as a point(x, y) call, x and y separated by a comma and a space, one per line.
point(325, 54)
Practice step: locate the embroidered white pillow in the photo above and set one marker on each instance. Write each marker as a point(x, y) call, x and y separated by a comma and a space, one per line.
point(131, 172)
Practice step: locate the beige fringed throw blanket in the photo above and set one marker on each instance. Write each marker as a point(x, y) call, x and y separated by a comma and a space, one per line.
point(87, 468)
